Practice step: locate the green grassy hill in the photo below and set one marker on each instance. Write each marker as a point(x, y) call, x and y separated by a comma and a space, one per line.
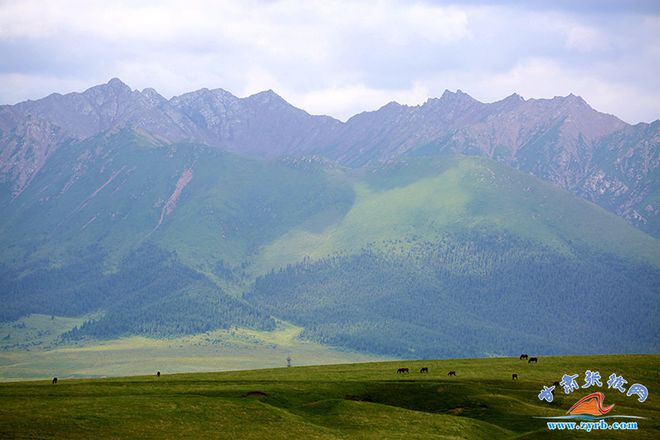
point(426, 198)
point(111, 192)
point(367, 400)
point(428, 257)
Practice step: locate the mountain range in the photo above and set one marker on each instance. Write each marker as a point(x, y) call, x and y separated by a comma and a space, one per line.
point(563, 140)
point(453, 228)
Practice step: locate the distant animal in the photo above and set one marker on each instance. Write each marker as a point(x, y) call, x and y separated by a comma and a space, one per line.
point(54, 380)
point(556, 384)
point(451, 373)
point(158, 374)
point(402, 370)
point(524, 356)
point(514, 376)
point(424, 370)
point(532, 359)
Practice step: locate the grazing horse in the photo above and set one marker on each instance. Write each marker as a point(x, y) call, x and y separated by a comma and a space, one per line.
point(424, 370)
point(524, 356)
point(402, 370)
point(54, 380)
point(451, 373)
point(556, 384)
point(514, 376)
point(158, 374)
point(532, 359)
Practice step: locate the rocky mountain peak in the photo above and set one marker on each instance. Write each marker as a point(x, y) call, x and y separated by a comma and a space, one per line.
point(268, 97)
point(223, 95)
point(392, 106)
point(458, 96)
point(451, 102)
point(204, 97)
point(509, 103)
point(113, 88)
point(153, 97)
point(118, 85)
point(514, 97)
point(575, 101)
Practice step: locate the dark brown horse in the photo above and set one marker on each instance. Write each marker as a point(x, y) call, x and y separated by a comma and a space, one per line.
point(54, 380)
point(451, 373)
point(158, 374)
point(402, 370)
point(532, 359)
point(424, 370)
point(514, 376)
point(524, 356)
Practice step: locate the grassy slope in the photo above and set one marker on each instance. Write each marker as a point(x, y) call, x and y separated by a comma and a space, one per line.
point(270, 213)
point(426, 198)
point(110, 191)
point(36, 331)
point(334, 401)
point(31, 349)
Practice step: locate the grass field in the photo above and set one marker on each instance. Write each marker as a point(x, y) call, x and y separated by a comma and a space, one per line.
point(31, 348)
point(368, 400)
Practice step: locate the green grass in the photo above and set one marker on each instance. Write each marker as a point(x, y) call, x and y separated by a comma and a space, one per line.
point(268, 214)
point(428, 198)
point(36, 331)
point(366, 400)
point(37, 352)
point(94, 207)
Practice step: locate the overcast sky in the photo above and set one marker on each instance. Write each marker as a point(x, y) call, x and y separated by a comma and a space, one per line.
point(340, 58)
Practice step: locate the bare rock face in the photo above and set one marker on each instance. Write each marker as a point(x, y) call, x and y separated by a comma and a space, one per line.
point(562, 139)
point(31, 131)
point(261, 125)
point(624, 175)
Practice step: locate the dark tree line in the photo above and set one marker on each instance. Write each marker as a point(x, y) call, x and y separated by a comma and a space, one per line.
point(150, 293)
point(469, 294)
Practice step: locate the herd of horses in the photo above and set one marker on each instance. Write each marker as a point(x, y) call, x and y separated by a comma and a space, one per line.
point(514, 376)
point(530, 360)
point(425, 370)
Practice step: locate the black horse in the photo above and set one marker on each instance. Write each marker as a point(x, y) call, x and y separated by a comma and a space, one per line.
point(54, 380)
point(402, 370)
point(424, 370)
point(524, 356)
point(451, 373)
point(158, 374)
point(532, 360)
point(514, 376)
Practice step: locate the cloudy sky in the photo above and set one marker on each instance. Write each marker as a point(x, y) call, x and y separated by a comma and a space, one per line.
point(337, 57)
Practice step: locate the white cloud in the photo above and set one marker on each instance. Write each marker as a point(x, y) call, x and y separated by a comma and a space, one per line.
point(333, 57)
point(585, 38)
point(274, 26)
point(545, 78)
point(20, 87)
point(344, 102)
